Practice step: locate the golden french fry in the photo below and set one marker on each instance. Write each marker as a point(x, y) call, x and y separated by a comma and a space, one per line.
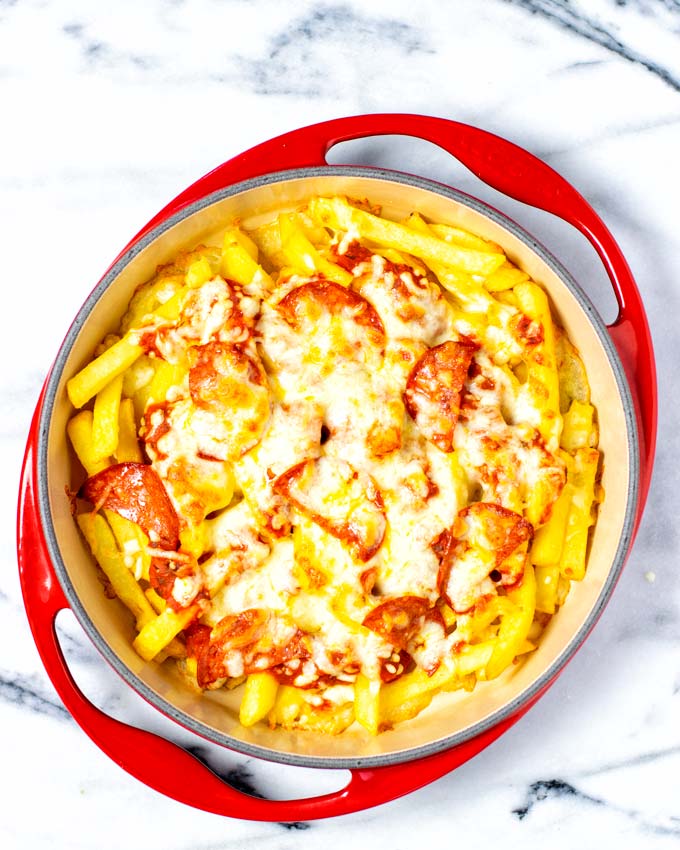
point(245, 241)
point(287, 706)
point(547, 577)
point(102, 370)
point(407, 710)
point(198, 273)
point(459, 236)
point(571, 372)
point(157, 602)
point(549, 539)
point(367, 703)
point(158, 632)
point(468, 293)
point(132, 542)
point(171, 308)
point(542, 382)
point(239, 265)
point(412, 685)
point(166, 377)
point(79, 430)
point(259, 696)
point(102, 543)
point(504, 278)
point(105, 418)
point(128, 445)
point(292, 711)
point(331, 720)
point(581, 475)
point(303, 256)
point(515, 626)
point(338, 214)
point(150, 296)
point(578, 431)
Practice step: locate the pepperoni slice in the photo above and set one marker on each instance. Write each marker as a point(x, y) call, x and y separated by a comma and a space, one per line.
point(162, 575)
point(247, 634)
point(198, 641)
point(358, 514)
point(504, 529)
point(433, 390)
point(490, 537)
point(218, 374)
point(135, 491)
point(236, 631)
point(394, 667)
point(354, 255)
point(398, 620)
point(299, 304)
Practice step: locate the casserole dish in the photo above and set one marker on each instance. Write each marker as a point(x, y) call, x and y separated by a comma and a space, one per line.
point(56, 570)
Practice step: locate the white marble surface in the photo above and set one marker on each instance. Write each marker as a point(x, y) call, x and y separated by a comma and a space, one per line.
point(105, 116)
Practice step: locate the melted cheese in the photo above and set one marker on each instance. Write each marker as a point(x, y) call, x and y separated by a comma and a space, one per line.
point(343, 497)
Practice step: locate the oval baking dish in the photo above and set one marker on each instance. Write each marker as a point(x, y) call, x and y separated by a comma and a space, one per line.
point(56, 568)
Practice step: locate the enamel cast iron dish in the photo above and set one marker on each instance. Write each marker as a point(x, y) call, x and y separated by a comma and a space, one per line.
point(57, 571)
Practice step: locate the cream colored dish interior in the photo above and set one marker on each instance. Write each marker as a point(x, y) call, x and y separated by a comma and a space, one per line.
point(449, 713)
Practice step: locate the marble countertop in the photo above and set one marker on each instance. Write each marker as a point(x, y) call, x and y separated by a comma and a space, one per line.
point(108, 114)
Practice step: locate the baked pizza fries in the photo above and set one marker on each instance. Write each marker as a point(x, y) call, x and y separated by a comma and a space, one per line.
point(339, 461)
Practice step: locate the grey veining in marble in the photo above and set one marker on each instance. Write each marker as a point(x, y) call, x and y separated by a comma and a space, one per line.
point(109, 110)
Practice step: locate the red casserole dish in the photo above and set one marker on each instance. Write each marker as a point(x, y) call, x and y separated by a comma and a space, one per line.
point(620, 361)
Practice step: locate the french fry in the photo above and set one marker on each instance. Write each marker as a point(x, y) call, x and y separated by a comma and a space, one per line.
point(459, 236)
point(549, 538)
point(166, 377)
point(367, 703)
point(291, 711)
point(287, 706)
point(330, 720)
point(128, 445)
point(578, 430)
point(396, 713)
point(132, 542)
point(102, 543)
point(571, 372)
point(547, 577)
point(198, 273)
point(102, 370)
point(339, 215)
point(581, 474)
point(303, 256)
point(171, 308)
point(79, 430)
point(239, 265)
point(413, 685)
point(504, 278)
point(105, 418)
point(157, 602)
point(563, 586)
point(245, 242)
point(514, 627)
point(267, 238)
point(159, 631)
point(468, 293)
point(139, 375)
point(542, 382)
point(259, 696)
point(150, 296)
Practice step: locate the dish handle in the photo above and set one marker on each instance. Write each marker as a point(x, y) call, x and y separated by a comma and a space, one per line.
point(505, 167)
point(163, 765)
